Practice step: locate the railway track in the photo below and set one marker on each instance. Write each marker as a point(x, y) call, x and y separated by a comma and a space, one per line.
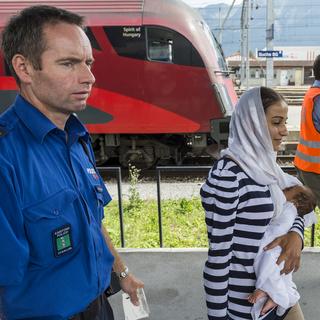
point(184, 173)
point(293, 95)
point(285, 158)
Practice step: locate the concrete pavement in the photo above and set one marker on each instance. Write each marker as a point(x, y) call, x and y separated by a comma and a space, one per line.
point(173, 283)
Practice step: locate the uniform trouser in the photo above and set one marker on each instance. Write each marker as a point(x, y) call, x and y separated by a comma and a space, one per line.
point(99, 309)
point(311, 180)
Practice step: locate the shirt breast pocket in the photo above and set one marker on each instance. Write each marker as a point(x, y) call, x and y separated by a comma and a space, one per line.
point(52, 227)
point(103, 198)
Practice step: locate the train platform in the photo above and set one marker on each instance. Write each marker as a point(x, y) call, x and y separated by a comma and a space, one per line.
point(173, 282)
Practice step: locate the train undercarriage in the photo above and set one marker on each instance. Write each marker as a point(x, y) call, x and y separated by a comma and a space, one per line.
point(147, 151)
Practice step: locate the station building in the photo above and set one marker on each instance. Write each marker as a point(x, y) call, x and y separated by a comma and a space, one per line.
point(294, 68)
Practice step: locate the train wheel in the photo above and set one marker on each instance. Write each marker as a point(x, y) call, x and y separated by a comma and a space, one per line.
point(139, 158)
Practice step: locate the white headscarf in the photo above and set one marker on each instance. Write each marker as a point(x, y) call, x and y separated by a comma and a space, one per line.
point(250, 145)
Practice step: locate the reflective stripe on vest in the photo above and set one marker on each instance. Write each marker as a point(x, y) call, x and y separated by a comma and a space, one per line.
point(308, 150)
point(305, 157)
point(310, 144)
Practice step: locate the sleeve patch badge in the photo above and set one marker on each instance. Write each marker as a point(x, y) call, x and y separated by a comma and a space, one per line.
point(62, 240)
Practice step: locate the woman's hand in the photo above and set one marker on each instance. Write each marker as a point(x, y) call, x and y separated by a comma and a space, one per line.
point(291, 245)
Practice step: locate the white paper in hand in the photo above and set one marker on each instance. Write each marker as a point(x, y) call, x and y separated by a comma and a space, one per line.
point(132, 312)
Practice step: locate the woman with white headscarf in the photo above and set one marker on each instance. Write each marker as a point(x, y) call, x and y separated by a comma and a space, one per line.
point(243, 192)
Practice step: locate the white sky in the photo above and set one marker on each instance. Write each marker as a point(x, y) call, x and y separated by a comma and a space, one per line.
point(202, 3)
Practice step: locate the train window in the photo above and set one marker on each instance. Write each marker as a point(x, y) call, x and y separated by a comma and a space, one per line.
point(160, 44)
point(196, 60)
point(92, 38)
point(167, 45)
point(217, 47)
point(160, 50)
point(127, 41)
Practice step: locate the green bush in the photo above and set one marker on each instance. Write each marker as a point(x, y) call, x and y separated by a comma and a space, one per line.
point(135, 201)
point(307, 233)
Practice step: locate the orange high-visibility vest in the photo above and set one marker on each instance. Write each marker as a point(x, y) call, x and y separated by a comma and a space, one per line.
point(308, 151)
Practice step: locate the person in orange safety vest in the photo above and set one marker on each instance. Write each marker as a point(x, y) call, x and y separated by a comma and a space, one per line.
point(307, 158)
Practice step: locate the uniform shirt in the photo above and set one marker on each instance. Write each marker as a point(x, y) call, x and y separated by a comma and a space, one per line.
point(54, 259)
point(316, 108)
point(238, 212)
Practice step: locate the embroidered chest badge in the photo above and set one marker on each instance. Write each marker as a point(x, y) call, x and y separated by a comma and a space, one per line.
point(93, 173)
point(62, 240)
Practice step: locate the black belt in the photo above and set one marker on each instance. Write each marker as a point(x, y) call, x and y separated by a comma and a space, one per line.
point(92, 311)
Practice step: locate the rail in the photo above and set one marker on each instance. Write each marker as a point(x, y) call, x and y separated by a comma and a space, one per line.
point(204, 169)
point(172, 169)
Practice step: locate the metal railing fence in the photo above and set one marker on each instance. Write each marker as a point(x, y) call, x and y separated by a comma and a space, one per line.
point(117, 171)
point(172, 169)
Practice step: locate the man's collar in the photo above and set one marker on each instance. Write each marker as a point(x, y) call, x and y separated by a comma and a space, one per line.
point(40, 125)
point(76, 129)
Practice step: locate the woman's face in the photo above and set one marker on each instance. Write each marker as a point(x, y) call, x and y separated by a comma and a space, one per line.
point(277, 115)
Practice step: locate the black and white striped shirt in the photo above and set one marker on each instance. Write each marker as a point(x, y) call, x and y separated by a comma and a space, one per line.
point(238, 211)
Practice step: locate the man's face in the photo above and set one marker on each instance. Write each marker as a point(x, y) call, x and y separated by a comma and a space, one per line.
point(63, 84)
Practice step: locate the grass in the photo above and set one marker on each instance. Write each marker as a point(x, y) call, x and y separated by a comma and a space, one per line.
point(183, 224)
point(307, 233)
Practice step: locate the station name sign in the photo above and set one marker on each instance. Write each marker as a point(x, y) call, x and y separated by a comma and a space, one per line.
point(270, 54)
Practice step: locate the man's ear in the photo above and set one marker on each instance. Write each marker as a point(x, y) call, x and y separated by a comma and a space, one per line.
point(23, 68)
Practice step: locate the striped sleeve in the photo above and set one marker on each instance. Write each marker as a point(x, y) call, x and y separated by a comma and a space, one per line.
point(220, 198)
point(298, 227)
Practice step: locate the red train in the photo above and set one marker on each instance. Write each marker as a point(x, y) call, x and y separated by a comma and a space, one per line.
point(162, 90)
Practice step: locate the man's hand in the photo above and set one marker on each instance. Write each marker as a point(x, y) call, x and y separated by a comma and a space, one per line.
point(291, 245)
point(129, 285)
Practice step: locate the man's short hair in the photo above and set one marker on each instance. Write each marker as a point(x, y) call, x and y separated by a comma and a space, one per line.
point(23, 34)
point(316, 68)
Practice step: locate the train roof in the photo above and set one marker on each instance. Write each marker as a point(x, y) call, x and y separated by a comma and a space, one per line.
point(110, 12)
point(78, 5)
point(95, 11)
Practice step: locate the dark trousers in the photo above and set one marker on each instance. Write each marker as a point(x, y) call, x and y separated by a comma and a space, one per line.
point(99, 309)
point(311, 180)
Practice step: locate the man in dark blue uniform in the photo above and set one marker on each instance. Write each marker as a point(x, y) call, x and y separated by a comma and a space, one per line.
point(55, 256)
